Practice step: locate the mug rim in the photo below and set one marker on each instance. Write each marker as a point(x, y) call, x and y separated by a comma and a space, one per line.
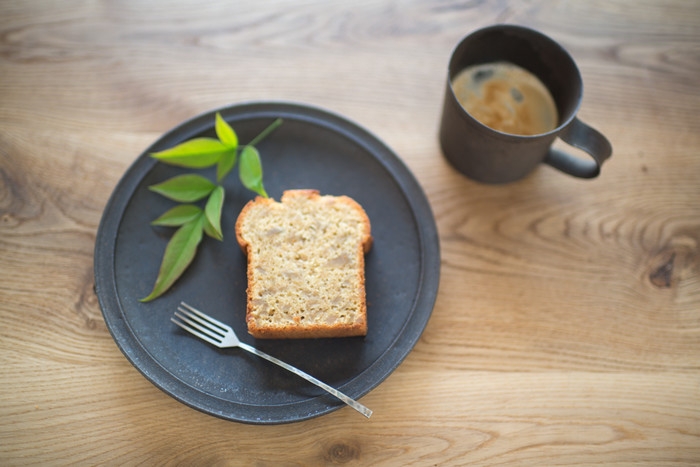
point(523, 29)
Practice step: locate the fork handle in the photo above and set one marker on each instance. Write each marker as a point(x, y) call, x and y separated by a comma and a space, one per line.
point(348, 400)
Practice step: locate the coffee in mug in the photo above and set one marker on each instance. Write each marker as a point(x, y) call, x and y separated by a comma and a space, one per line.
point(507, 98)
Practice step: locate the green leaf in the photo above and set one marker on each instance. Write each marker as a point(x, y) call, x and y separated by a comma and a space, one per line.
point(225, 164)
point(193, 221)
point(250, 171)
point(179, 253)
point(184, 188)
point(196, 153)
point(210, 231)
point(225, 133)
point(213, 210)
point(178, 215)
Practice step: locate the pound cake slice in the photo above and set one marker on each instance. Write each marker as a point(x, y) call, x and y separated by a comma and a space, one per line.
point(306, 265)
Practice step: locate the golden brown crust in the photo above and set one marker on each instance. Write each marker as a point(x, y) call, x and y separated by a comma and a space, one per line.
point(241, 217)
point(297, 329)
point(307, 332)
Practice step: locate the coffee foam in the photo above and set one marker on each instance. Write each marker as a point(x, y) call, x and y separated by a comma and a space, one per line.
point(506, 98)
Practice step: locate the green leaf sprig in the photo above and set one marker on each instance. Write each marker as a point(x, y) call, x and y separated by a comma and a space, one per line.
point(193, 221)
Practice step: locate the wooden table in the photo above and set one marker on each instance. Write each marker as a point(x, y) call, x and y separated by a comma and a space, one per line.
point(567, 324)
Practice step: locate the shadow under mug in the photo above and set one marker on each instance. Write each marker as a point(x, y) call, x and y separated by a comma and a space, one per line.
point(491, 156)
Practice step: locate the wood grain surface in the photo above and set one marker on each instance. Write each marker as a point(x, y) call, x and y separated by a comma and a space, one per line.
point(567, 325)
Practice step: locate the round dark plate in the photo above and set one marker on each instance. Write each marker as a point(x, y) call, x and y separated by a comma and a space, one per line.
point(311, 149)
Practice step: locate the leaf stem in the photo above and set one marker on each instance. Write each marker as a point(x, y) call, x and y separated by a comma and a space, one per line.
point(263, 134)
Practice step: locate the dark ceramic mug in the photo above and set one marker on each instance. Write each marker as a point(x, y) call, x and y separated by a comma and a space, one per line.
point(492, 156)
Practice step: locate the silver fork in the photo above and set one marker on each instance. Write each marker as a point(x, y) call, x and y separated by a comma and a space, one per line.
point(223, 336)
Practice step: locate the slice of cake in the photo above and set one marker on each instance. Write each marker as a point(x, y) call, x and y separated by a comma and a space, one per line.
point(306, 265)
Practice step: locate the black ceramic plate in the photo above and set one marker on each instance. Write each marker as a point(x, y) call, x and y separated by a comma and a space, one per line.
point(312, 149)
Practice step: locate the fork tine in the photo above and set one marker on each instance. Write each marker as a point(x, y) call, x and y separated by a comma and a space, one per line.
point(195, 332)
point(224, 327)
point(200, 324)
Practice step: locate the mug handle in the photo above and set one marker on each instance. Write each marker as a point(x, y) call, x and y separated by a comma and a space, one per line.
point(581, 136)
